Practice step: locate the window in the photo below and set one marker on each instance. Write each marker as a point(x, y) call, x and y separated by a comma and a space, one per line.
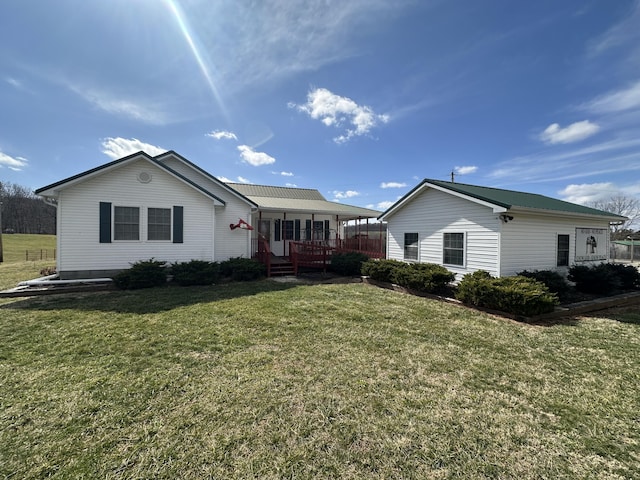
point(159, 224)
point(453, 249)
point(411, 246)
point(126, 223)
point(287, 229)
point(563, 251)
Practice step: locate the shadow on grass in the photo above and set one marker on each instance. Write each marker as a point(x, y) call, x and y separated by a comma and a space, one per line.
point(629, 314)
point(148, 300)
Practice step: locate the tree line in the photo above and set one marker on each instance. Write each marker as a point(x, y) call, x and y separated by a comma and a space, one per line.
point(25, 212)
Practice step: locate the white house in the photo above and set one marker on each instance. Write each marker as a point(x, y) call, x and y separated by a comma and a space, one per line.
point(468, 228)
point(168, 208)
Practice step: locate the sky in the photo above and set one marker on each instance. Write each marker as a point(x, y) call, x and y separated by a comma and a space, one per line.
point(360, 99)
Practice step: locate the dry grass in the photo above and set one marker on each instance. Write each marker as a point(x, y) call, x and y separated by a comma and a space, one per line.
point(267, 380)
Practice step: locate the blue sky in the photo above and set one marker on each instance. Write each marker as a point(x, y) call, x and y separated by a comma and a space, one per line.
point(360, 99)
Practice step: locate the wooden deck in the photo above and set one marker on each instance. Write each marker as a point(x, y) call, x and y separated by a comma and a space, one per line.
point(314, 254)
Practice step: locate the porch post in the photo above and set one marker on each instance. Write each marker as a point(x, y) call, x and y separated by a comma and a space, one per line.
point(284, 248)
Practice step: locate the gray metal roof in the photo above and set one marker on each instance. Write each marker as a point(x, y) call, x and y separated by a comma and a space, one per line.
point(303, 200)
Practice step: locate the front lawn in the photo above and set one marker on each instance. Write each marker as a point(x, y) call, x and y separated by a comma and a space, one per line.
point(272, 380)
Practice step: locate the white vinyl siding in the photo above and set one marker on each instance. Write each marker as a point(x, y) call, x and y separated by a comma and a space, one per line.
point(431, 214)
point(78, 228)
point(530, 242)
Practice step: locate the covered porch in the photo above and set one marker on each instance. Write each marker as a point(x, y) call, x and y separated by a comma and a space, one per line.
point(298, 227)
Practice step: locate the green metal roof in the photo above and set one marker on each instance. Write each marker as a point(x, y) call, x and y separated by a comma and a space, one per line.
point(511, 199)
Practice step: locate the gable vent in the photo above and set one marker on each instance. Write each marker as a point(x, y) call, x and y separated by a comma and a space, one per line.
point(144, 177)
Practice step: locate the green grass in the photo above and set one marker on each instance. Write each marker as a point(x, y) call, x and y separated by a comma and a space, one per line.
point(270, 380)
point(15, 246)
point(15, 268)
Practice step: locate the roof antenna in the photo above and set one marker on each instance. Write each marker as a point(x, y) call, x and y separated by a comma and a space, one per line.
point(453, 176)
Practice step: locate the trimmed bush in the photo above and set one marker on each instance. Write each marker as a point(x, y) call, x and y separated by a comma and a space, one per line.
point(382, 270)
point(242, 269)
point(195, 272)
point(604, 278)
point(142, 274)
point(423, 277)
point(553, 280)
point(597, 279)
point(348, 263)
point(517, 295)
point(628, 275)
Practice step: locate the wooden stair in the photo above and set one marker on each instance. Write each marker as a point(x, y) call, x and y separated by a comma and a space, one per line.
point(281, 269)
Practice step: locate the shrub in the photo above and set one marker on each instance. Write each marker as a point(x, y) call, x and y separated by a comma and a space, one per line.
point(349, 263)
point(628, 275)
point(381, 270)
point(604, 278)
point(424, 277)
point(195, 272)
point(517, 295)
point(142, 274)
point(242, 269)
point(597, 279)
point(553, 280)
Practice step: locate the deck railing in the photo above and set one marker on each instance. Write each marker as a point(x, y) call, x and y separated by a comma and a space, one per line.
point(263, 254)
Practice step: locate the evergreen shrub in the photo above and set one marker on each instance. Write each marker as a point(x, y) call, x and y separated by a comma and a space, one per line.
point(517, 295)
point(142, 274)
point(195, 272)
point(348, 263)
point(242, 269)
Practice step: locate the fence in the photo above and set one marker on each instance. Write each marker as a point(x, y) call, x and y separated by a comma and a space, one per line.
point(41, 254)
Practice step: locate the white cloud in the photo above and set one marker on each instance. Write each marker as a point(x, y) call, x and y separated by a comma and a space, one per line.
point(291, 185)
point(392, 185)
point(625, 32)
point(12, 163)
point(284, 174)
point(121, 147)
point(336, 111)
point(466, 170)
point(238, 180)
point(148, 112)
point(588, 192)
point(384, 205)
point(254, 158)
point(573, 133)
point(338, 195)
point(617, 100)
point(222, 135)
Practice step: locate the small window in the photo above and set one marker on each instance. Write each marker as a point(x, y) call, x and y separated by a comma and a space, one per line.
point(453, 249)
point(159, 224)
point(563, 251)
point(126, 223)
point(287, 229)
point(411, 246)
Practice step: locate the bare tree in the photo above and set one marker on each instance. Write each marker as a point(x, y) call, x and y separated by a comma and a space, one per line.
point(24, 212)
point(621, 205)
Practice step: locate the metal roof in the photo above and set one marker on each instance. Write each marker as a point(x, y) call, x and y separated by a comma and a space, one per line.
point(304, 200)
point(508, 199)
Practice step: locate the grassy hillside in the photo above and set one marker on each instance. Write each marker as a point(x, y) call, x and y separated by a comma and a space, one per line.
point(15, 267)
point(272, 380)
point(15, 246)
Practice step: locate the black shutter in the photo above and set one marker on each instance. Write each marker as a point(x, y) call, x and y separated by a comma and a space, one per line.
point(327, 231)
point(105, 222)
point(277, 230)
point(296, 231)
point(307, 229)
point(178, 224)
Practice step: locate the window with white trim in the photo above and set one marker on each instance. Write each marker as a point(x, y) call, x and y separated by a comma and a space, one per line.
point(126, 223)
point(159, 224)
point(453, 251)
point(411, 246)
